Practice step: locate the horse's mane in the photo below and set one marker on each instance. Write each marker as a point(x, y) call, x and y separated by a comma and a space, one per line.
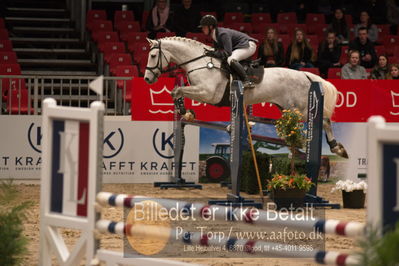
point(183, 39)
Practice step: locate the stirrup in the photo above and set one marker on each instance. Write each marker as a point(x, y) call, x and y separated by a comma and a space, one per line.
point(247, 84)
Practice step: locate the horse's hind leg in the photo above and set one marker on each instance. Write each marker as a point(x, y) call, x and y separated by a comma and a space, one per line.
point(335, 146)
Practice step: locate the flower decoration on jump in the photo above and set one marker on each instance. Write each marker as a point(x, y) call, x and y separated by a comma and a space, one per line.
point(286, 182)
point(290, 128)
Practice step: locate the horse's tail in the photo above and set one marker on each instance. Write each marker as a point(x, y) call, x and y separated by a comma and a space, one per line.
point(330, 94)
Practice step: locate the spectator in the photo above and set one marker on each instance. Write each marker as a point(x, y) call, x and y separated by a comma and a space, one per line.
point(299, 52)
point(365, 22)
point(368, 57)
point(271, 51)
point(338, 25)
point(186, 18)
point(380, 71)
point(353, 70)
point(159, 19)
point(393, 72)
point(329, 53)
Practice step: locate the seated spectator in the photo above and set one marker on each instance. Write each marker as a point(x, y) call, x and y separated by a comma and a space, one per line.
point(353, 70)
point(393, 14)
point(393, 72)
point(365, 22)
point(271, 51)
point(186, 18)
point(338, 25)
point(299, 52)
point(380, 71)
point(329, 54)
point(159, 19)
point(368, 57)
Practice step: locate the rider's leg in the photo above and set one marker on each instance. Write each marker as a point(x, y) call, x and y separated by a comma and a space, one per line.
point(238, 55)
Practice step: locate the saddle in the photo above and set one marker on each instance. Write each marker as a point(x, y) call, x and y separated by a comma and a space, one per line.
point(254, 70)
point(255, 73)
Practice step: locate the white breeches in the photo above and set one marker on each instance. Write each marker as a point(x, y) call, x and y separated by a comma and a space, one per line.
point(242, 53)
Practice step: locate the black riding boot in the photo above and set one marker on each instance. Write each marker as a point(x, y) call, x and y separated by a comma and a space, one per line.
point(239, 69)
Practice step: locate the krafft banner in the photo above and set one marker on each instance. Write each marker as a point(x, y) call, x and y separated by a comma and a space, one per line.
point(133, 152)
point(357, 101)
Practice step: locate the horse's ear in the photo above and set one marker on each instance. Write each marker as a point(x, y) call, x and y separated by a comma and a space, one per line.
point(151, 42)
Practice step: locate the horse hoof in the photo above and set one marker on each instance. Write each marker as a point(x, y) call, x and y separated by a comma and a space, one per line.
point(340, 150)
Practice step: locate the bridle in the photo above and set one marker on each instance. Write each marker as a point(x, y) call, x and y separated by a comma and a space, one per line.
point(162, 70)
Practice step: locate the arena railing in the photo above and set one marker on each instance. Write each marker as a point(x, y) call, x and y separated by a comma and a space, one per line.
point(21, 94)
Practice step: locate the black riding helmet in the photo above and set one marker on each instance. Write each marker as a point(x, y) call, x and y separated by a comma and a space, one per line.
point(208, 20)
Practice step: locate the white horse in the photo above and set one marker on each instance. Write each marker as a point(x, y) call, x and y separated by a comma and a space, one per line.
point(284, 87)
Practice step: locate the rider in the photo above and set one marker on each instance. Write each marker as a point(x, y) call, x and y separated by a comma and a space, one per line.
point(231, 44)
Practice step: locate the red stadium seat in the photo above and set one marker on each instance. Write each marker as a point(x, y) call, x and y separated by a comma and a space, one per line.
point(18, 102)
point(334, 73)
point(100, 25)
point(131, 37)
point(3, 34)
point(200, 37)
point(125, 71)
point(96, 14)
point(287, 18)
point(313, 70)
point(349, 20)
point(5, 46)
point(127, 26)
point(161, 35)
point(290, 28)
point(144, 18)
point(390, 42)
point(257, 18)
point(117, 59)
point(8, 58)
point(383, 31)
point(314, 18)
point(313, 41)
point(232, 17)
point(262, 27)
point(317, 29)
point(8, 84)
point(93, 15)
point(379, 49)
point(344, 55)
point(105, 36)
point(258, 36)
point(109, 48)
point(241, 26)
point(123, 15)
point(139, 50)
point(285, 39)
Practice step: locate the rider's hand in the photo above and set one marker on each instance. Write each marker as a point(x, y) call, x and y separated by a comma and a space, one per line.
point(211, 53)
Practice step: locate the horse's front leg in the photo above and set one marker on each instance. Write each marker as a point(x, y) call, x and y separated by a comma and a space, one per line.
point(193, 92)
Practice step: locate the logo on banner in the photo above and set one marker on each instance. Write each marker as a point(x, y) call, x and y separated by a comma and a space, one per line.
point(113, 143)
point(35, 137)
point(158, 98)
point(162, 143)
point(395, 101)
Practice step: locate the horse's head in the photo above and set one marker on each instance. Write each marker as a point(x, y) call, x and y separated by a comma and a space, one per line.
point(157, 61)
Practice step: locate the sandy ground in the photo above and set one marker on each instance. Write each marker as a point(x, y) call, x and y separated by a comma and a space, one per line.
point(32, 192)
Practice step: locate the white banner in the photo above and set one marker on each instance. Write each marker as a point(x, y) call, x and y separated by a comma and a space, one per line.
point(134, 152)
